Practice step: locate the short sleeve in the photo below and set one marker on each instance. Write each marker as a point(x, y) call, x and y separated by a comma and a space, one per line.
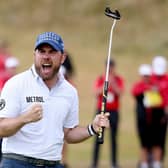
point(72, 118)
point(9, 100)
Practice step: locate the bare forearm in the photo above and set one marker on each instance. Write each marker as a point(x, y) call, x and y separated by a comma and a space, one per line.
point(9, 126)
point(77, 134)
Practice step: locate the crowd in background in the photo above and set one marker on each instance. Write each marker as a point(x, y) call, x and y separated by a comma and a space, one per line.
point(151, 106)
point(151, 111)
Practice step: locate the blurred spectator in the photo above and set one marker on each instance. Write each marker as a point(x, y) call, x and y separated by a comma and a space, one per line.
point(143, 113)
point(4, 54)
point(150, 117)
point(115, 90)
point(11, 65)
point(160, 79)
point(67, 69)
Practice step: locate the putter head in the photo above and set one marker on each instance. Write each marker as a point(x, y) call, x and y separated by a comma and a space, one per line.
point(114, 15)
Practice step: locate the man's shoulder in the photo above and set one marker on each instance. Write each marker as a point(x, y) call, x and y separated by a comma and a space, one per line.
point(69, 85)
point(19, 78)
point(21, 75)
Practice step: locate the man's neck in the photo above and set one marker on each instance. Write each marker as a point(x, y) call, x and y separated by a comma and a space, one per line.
point(50, 83)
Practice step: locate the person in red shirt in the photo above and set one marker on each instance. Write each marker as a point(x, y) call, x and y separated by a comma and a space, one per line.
point(11, 65)
point(143, 112)
point(160, 79)
point(4, 54)
point(150, 118)
point(115, 90)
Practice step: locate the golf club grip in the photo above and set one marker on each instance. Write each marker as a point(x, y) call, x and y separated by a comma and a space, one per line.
point(100, 138)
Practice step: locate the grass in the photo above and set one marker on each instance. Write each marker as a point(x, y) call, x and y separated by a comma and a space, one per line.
point(140, 35)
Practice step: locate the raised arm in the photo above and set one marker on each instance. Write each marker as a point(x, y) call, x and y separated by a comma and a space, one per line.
point(79, 134)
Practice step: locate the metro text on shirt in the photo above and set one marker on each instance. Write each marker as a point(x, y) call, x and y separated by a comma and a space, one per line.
point(31, 99)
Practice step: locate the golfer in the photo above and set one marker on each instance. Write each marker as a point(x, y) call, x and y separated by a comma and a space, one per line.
point(39, 109)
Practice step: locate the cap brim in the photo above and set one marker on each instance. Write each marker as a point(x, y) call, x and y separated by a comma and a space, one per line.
point(51, 43)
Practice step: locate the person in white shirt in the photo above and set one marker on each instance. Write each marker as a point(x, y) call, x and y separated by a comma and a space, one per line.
point(39, 110)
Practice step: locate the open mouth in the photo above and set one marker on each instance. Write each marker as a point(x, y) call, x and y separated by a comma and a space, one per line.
point(46, 68)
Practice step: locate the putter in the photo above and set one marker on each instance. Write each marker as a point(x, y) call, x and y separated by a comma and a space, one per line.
point(116, 16)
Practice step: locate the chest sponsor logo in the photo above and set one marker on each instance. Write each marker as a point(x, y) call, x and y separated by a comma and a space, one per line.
point(31, 99)
point(2, 104)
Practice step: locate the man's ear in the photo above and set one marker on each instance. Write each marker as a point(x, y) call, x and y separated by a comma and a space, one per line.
point(64, 55)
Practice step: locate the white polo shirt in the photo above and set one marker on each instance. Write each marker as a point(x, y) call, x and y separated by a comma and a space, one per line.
point(42, 139)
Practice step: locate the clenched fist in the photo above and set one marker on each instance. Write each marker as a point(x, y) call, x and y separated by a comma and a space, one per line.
point(35, 113)
point(101, 120)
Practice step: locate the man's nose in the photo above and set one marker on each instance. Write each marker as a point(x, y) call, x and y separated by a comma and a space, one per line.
point(46, 55)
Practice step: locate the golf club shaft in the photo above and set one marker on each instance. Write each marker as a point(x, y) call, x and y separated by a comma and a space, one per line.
point(109, 50)
point(105, 89)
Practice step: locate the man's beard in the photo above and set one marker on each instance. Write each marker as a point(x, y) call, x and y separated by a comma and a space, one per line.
point(55, 71)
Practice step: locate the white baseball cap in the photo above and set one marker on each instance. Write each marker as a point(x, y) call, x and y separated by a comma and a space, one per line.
point(11, 62)
point(159, 65)
point(145, 69)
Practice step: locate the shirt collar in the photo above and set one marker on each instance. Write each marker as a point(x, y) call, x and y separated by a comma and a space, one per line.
point(34, 73)
point(36, 76)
